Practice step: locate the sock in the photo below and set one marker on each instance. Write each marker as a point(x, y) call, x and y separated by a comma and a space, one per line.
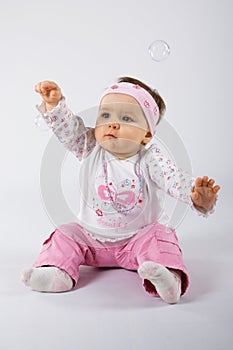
point(47, 279)
point(166, 282)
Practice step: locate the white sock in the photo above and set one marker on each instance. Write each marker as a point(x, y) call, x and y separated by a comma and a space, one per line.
point(47, 279)
point(166, 282)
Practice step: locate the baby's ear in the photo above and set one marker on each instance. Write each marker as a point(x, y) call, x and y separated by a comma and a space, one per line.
point(147, 138)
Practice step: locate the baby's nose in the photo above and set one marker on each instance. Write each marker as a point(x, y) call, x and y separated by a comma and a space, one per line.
point(115, 126)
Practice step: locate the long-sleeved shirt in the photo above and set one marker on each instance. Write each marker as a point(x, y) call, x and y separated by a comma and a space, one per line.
point(118, 197)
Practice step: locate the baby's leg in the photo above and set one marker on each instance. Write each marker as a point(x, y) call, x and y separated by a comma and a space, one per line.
point(56, 269)
point(47, 279)
point(167, 282)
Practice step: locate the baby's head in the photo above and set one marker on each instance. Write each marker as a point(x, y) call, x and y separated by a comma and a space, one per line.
point(128, 114)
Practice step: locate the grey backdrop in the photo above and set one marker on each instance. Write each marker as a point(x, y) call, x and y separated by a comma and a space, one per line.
point(85, 46)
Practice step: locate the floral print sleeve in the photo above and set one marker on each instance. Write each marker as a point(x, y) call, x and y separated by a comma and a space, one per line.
point(172, 180)
point(69, 129)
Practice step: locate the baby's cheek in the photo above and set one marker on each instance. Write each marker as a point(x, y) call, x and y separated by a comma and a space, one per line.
point(97, 133)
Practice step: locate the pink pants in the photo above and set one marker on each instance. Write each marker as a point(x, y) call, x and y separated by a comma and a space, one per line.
point(70, 246)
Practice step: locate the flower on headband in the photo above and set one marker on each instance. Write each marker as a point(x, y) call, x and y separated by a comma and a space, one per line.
point(114, 87)
point(146, 104)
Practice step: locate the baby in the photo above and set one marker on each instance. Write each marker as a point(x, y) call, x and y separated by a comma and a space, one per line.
point(121, 217)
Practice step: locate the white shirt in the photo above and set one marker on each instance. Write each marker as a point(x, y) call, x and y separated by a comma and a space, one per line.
point(118, 197)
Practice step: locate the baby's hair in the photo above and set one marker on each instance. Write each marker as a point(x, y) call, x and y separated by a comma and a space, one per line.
point(154, 93)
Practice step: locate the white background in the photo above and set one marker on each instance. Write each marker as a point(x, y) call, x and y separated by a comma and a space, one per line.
point(85, 46)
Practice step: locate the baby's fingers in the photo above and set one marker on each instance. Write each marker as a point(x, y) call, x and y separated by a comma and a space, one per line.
point(46, 86)
point(211, 183)
point(38, 88)
point(216, 189)
point(42, 88)
point(205, 181)
point(49, 85)
point(198, 182)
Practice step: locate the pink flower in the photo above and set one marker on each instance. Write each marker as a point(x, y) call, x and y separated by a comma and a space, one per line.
point(99, 212)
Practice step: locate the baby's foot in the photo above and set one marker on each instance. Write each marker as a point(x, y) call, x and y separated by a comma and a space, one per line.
point(47, 279)
point(167, 283)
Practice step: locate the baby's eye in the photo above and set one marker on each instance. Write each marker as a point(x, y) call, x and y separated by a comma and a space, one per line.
point(126, 118)
point(105, 115)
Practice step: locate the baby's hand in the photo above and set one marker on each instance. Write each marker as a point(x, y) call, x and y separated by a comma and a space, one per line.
point(204, 193)
point(50, 93)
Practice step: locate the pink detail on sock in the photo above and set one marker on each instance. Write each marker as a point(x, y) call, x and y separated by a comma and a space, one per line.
point(26, 275)
point(148, 270)
point(59, 285)
point(172, 294)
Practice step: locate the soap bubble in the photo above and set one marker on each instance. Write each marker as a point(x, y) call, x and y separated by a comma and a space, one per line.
point(159, 50)
point(40, 123)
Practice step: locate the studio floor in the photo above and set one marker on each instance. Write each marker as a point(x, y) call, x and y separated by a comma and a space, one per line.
point(109, 308)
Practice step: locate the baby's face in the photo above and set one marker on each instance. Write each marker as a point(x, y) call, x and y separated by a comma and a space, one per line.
point(121, 127)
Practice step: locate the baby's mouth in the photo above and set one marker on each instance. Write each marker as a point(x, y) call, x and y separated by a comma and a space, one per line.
point(111, 136)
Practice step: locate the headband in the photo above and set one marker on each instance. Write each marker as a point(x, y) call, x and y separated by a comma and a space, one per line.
point(143, 97)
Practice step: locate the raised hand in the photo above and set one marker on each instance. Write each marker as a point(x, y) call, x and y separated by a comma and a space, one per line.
point(50, 92)
point(204, 193)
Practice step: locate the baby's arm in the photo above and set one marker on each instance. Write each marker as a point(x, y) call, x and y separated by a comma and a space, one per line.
point(180, 184)
point(68, 127)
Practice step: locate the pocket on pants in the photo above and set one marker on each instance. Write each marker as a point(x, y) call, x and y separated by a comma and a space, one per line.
point(47, 243)
point(48, 239)
point(168, 242)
